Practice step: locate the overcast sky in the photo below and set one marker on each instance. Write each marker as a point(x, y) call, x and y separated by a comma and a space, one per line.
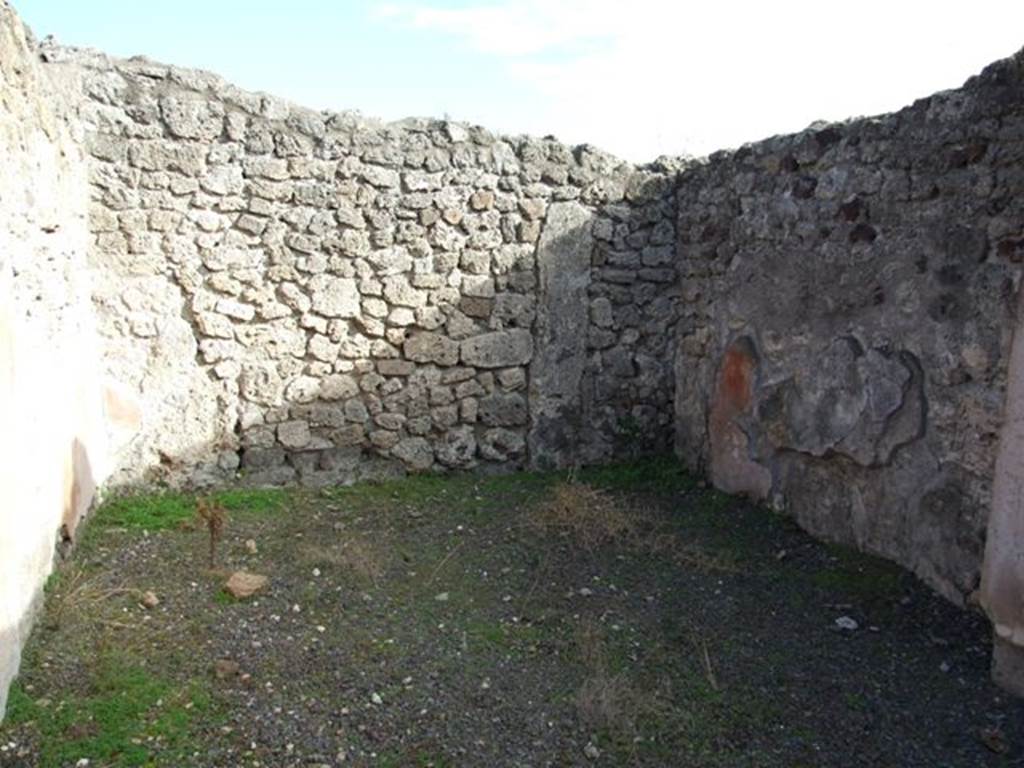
point(639, 78)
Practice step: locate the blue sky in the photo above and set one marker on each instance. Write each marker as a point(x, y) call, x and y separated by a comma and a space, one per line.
point(639, 78)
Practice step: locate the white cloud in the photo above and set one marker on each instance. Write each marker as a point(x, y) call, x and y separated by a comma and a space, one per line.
point(647, 77)
point(515, 28)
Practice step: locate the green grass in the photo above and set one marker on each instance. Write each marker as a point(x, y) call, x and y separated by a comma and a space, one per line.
point(127, 717)
point(162, 511)
point(466, 492)
point(255, 501)
point(460, 495)
point(152, 512)
point(859, 575)
point(657, 474)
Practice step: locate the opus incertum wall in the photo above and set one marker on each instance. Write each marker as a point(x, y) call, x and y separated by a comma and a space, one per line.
point(254, 292)
point(849, 300)
point(314, 297)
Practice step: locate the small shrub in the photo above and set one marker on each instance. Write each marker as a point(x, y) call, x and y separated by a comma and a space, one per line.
point(214, 517)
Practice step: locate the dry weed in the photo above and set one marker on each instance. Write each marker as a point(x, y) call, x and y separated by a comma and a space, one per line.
point(606, 701)
point(610, 703)
point(591, 647)
point(688, 554)
point(214, 517)
point(705, 660)
point(586, 514)
point(595, 518)
point(356, 555)
point(77, 594)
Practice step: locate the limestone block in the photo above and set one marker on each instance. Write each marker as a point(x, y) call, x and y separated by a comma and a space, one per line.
point(212, 324)
point(260, 383)
point(193, 118)
point(304, 389)
point(236, 309)
point(503, 410)
point(500, 349)
point(398, 291)
point(457, 449)
point(502, 445)
point(415, 452)
point(427, 347)
point(334, 296)
point(390, 261)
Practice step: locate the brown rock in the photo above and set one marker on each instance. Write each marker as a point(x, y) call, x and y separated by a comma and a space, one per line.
point(150, 600)
point(242, 585)
point(482, 200)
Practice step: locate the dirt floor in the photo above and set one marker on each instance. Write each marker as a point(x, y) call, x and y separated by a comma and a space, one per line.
point(622, 617)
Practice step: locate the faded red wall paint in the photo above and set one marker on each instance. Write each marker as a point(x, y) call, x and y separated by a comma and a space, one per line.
point(736, 385)
point(732, 469)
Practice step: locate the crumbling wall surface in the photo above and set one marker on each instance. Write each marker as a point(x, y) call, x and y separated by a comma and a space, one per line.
point(849, 299)
point(314, 297)
point(52, 438)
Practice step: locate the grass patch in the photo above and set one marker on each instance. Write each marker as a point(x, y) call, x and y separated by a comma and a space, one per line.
point(151, 512)
point(255, 501)
point(859, 575)
point(459, 495)
point(657, 474)
point(170, 509)
point(127, 718)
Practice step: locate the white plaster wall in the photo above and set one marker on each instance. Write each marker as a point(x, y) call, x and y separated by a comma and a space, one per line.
point(53, 444)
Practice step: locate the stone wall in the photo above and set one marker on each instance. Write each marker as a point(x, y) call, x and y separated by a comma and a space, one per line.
point(53, 447)
point(293, 295)
point(849, 299)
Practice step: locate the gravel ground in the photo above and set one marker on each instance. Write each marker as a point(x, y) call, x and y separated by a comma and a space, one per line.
point(508, 621)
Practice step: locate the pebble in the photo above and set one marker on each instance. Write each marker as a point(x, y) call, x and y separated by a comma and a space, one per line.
point(376, 699)
point(150, 600)
point(845, 622)
point(441, 597)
